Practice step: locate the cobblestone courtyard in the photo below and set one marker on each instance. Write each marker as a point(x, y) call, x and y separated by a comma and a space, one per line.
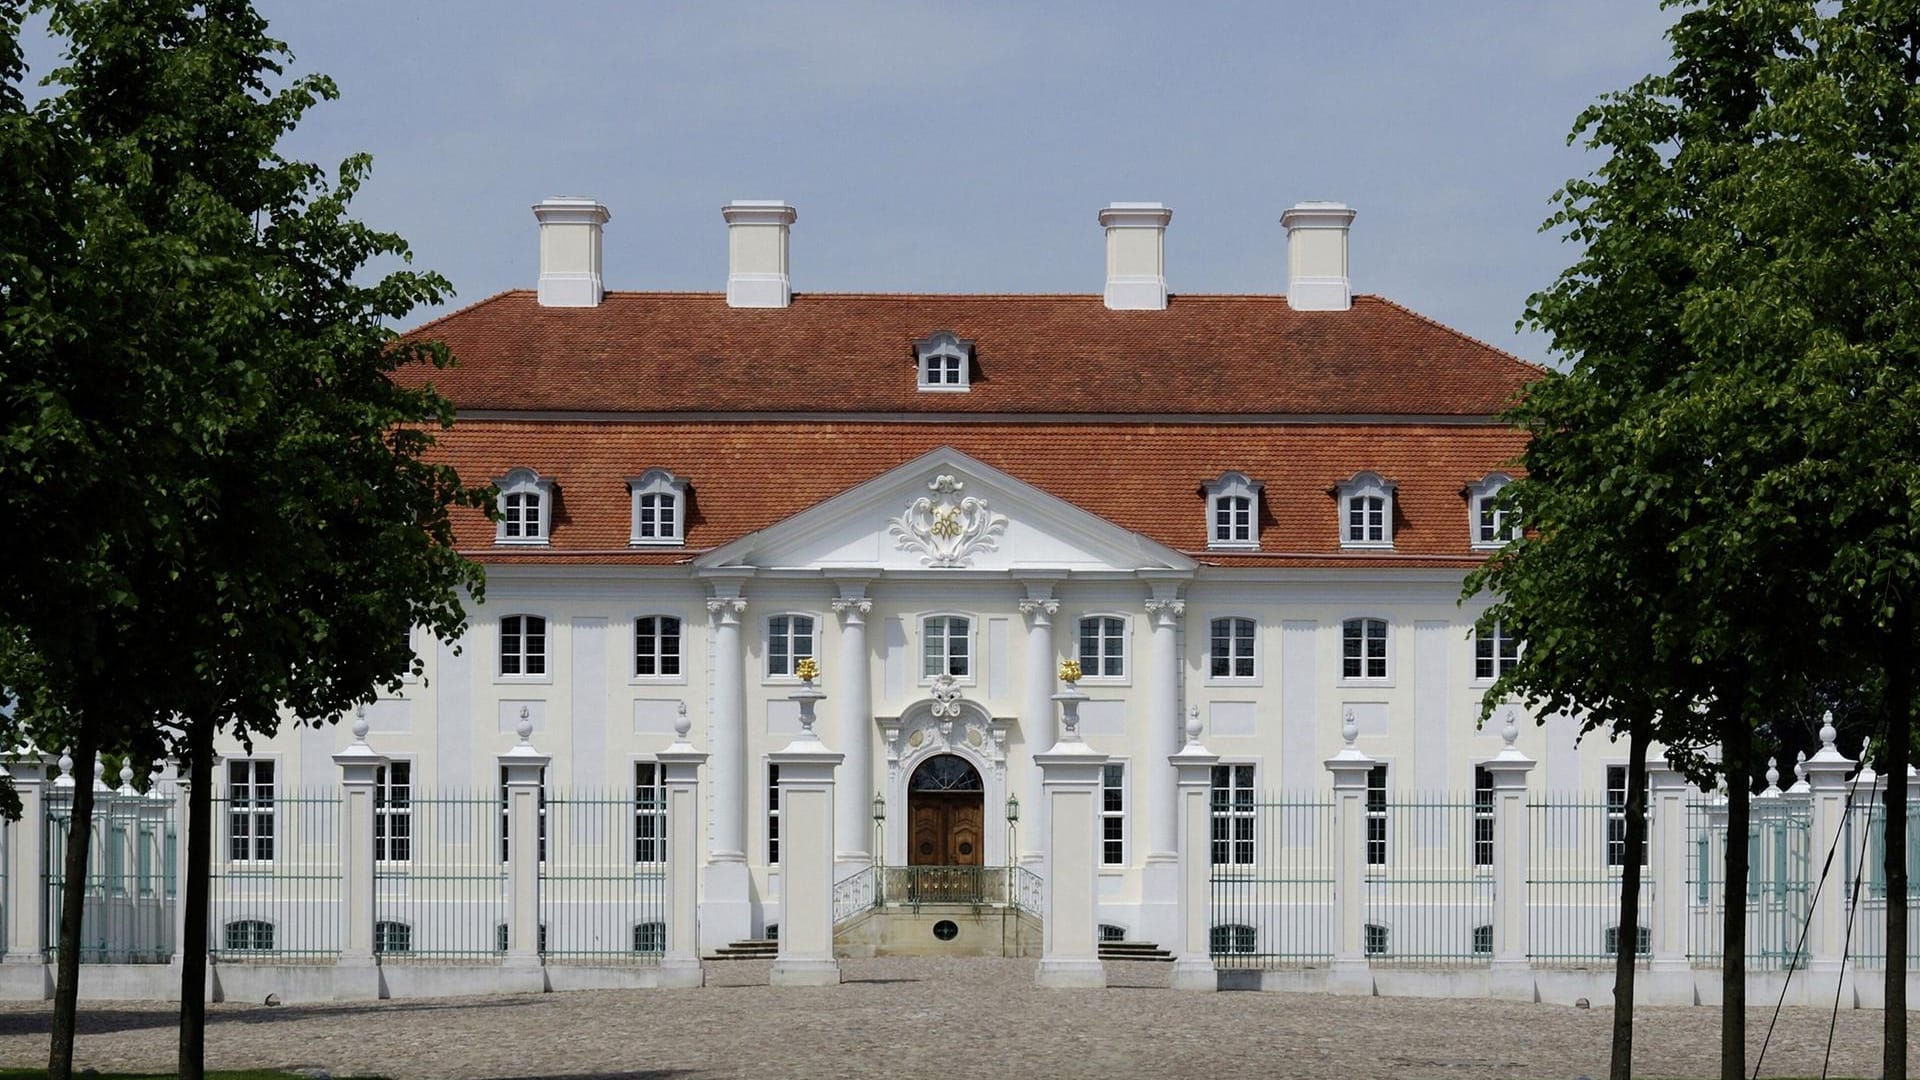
point(935, 1018)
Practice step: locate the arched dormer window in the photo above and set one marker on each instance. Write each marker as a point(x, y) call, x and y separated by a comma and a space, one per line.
point(945, 362)
point(659, 517)
point(1492, 525)
point(1233, 512)
point(526, 508)
point(1366, 512)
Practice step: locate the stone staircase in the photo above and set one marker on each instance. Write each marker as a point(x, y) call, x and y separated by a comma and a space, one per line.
point(1135, 950)
point(749, 949)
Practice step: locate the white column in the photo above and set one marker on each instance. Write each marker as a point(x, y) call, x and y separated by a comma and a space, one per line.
point(1160, 878)
point(806, 855)
point(525, 769)
point(727, 902)
point(855, 731)
point(1036, 711)
point(1070, 950)
point(1348, 972)
point(1510, 976)
point(1193, 949)
point(24, 972)
point(355, 976)
point(680, 768)
point(1827, 778)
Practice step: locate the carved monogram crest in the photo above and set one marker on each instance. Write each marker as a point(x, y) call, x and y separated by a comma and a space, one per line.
point(946, 700)
point(947, 528)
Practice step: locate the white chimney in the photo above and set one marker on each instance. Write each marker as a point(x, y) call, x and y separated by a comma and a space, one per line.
point(757, 232)
point(570, 251)
point(1317, 256)
point(1136, 255)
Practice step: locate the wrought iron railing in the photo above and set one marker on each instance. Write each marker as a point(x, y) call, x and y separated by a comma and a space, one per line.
point(855, 893)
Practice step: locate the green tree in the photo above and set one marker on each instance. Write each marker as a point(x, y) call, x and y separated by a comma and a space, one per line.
point(197, 391)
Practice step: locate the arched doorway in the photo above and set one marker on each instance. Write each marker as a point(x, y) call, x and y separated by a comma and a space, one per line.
point(946, 813)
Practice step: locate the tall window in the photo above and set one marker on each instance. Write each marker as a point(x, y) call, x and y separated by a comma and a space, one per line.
point(1113, 815)
point(1233, 510)
point(1366, 512)
point(1103, 646)
point(1363, 649)
point(523, 646)
point(649, 813)
point(249, 935)
point(656, 646)
point(526, 508)
point(1495, 653)
point(393, 812)
point(1233, 815)
point(506, 816)
point(773, 815)
point(1492, 524)
point(250, 810)
point(1232, 649)
point(944, 639)
point(789, 640)
point(659, 509)
point(1617, 817)
point(1377, 816)
point(1482, 816)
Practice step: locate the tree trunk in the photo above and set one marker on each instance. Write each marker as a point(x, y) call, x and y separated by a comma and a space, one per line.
point(193, 950)
point(73, 896)
point(1736, 747)
point(1627, 939)
point(1898, 750)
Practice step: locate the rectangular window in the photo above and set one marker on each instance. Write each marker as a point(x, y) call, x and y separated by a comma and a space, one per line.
point(1367, 519)
point(1482, 817)
point(506, 815)
point(1232, 652)
point(1377, 816)
point(1103, 646)
point(1363, 649)
point(1233, 519)
point(789, 640)
point(649, 813)
point(1617, 818)
point(250, 810)
point(393, 812)
point(773, 815)
point(520, 519)
point(656, 646)
point(1113, 815)
point(944, 641)
point(1233, 815)
point(523, 645)
point(1495, 653)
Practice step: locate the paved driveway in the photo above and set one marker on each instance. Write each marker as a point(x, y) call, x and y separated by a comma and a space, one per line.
point(901, 1018)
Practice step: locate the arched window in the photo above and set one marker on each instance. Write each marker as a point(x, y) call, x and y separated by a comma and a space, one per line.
point(656, 647)
point(1110, 932)
point(1483, 940)
point(1103, 647)
point(1363, 649)
point(944, 361)
point(659, 509)
point(1231, 649)
point(1233, 512)
point(1366, 512)
point(1492, 524)
point(1495, 653)
point(523, 646)
point(526, 508)
point(1226, 938)
point(789, 640)
point(249, 935)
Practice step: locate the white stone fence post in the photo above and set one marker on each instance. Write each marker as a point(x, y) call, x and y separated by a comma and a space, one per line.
point(1348, 973)
point(680, 764)
point(1511, 976)
point(357, 976)
point(1193, 778)
point(525, 769)
point(806, 850)
point(1070, 954)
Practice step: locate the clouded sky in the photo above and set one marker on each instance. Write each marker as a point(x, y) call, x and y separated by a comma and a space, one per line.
point(966, 147)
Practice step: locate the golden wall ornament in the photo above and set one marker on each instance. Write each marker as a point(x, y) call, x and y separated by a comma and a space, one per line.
point(947, 528)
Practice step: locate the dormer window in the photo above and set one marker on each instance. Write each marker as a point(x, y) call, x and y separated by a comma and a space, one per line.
point(659, 509)
point(1492, 524)
point(1366, 512)
point(945, 362)
point(1233, 512)
point(526, 508)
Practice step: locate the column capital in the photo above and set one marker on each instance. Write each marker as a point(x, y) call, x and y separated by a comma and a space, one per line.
point(1166, 612)
point(853, 610)
point(728, 608)
point(1041, 612)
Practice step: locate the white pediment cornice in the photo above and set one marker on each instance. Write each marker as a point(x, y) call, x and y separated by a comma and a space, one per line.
point(946, 511)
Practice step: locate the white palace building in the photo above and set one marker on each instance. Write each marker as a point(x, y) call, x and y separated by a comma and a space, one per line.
point(1247, 518)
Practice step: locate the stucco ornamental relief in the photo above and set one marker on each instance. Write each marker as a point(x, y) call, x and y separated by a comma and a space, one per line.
point(947, 528)
point(945, 726)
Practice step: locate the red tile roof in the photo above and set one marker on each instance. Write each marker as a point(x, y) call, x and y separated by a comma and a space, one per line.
point(1143, 476)
point(835, 353)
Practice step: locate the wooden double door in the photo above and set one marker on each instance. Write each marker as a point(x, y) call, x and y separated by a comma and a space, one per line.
point(946, 828)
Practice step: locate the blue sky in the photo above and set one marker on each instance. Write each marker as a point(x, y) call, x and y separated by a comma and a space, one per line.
point(966, 147)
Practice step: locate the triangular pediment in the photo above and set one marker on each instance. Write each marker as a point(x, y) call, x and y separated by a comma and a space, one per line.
point(946, 511)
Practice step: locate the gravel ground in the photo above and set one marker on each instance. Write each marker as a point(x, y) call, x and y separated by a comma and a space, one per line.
point(937, 1018)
